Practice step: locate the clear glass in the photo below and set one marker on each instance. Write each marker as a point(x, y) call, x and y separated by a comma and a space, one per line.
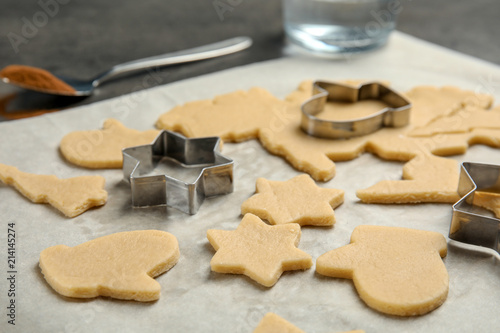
point(340, 26)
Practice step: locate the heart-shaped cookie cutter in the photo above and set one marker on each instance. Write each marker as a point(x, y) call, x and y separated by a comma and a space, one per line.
point(471, 224)
point(396, 114)
point(214, 172)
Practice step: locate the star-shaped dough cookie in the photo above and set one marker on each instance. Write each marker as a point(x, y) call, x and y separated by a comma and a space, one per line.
point(257, 250)
point(397, 271)
point(298, 200)
point(120, 265)
point(272, 323)
point(71, 196)
point(102, 149)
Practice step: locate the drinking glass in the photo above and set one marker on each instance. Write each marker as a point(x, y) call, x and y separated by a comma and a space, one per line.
point(340, 26)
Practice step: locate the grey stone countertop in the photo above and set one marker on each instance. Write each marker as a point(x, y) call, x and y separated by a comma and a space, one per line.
point(83, 38)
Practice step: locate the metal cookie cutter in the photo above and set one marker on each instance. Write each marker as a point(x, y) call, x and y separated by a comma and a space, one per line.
point(211, 173)
point(397, 114)
point(471, 224)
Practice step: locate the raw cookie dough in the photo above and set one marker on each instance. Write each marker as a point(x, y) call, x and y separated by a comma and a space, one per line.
point(120, 265)
point(257, 250)
point(397, 271)
point(427, 178)
point(461, 121)
point(102, 149)
point(71, 196)
point(298, 200)
point(276, 124)
point(439, 102)
point(236, 117)
point(488, 200)
point(272, 323)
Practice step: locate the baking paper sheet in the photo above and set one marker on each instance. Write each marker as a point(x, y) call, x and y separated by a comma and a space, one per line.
point(194, 299)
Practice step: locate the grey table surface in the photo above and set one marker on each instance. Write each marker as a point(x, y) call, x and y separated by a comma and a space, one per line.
point(83, 38)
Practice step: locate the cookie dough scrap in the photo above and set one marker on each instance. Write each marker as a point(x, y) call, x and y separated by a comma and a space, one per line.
point(428, 102)
point(432, 103)
point(257, 250)
point(396, 271)
point(102, 149)
point(426, 178)
point(236, 116)
point(71, 196)
point(298, 200)
point(272, 323)
point(394, 144)
point(120, 265)
point(461, 121)
point(488, 200)
point(276, 124)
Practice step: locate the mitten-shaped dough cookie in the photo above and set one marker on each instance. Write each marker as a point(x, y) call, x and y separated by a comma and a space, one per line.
point(397, 271)
point(120, 265)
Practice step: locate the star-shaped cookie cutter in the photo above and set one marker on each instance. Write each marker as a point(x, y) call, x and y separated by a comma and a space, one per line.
point(397, 114)
point(215, 175)
point(470, 224)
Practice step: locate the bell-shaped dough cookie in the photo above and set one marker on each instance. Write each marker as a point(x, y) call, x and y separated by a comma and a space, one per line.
point(102, 149)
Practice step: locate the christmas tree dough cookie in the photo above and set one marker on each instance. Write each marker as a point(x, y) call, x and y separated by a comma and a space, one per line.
point(397, 271)
point(71, 196)
point(120, 265)
point(298, 200)
point(257, 250)
point(272, 323)
point(102, 149)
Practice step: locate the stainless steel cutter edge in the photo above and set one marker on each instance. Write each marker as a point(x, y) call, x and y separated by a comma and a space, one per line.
point(215, 178)
point(396, 115)
point(469, 224)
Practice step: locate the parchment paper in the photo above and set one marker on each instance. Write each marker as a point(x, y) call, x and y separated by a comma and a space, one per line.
point(193, 299)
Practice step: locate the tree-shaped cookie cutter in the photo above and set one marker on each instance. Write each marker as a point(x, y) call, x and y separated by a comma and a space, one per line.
point(215, 172)
point(470, 224)
point(396, 114)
